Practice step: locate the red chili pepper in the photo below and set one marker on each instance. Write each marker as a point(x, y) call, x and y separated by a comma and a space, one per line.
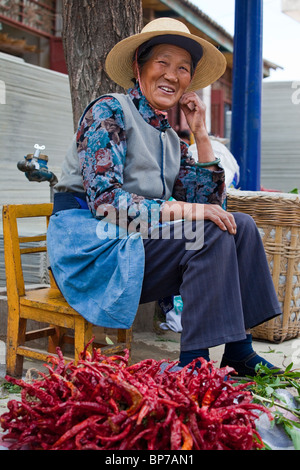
point(142, 414)
point(102, 403)
point(133, 392)
point(117, 437)
point(73, 431)
point(187, 438)
point(208, 398)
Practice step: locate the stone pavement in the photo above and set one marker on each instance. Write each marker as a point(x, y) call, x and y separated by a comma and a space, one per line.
point(162, 344)
point(166, 345)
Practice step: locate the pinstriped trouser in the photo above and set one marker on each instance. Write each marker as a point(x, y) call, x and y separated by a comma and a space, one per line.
point(226, 285)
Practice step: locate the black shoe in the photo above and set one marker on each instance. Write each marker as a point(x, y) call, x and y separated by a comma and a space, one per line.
point(242, 368)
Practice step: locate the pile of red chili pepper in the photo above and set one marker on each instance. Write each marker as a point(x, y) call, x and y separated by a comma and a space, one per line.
point(102, 403)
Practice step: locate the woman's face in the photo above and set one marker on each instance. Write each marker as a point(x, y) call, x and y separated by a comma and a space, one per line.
point(166, 75)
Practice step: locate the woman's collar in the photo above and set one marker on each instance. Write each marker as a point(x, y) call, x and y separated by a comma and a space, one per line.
point(154, 117)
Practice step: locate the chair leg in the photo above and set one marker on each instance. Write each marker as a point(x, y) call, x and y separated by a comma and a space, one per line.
point(16, 328)
point(83, 334)
point(56, 340)
point(125, 336)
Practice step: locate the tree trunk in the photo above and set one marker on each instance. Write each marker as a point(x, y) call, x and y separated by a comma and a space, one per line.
point(90, 29)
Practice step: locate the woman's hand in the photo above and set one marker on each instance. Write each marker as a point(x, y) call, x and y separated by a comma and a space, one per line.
point(195, 111)
point(174, 210)
point(223, 219)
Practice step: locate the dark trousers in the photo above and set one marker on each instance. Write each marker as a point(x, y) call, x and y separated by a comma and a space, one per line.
point(225, 284)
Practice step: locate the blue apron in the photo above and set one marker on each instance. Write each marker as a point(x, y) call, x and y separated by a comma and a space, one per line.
point(99, 273)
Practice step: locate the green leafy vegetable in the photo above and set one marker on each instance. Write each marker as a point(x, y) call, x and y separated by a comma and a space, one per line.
point(265, 388)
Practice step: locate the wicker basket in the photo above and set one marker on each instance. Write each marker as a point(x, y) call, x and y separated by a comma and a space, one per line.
point(277, 215)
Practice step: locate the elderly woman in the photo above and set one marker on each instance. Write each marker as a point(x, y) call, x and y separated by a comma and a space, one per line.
point(137, 219)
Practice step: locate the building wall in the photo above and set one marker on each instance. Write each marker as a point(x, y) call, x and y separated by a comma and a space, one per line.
point(38, 110)
point(280, 152)
point(35, 107)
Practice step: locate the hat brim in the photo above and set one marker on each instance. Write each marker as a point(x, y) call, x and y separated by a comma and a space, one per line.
point(118, 63)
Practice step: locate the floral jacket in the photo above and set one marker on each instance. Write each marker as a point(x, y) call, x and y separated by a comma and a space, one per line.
point(101, 142)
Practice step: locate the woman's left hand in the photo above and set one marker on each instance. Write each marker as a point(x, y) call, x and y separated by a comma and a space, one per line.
point(195, 111)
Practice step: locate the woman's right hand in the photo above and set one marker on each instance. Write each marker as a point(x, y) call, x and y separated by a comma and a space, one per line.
point(174, 210)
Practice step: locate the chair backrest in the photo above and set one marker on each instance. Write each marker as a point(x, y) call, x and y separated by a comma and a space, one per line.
point(13, 242)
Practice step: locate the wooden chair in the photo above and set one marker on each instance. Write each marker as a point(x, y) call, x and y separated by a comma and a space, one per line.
point(45, 305)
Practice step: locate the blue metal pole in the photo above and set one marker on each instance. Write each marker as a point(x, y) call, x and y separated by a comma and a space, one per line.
point(247, 86)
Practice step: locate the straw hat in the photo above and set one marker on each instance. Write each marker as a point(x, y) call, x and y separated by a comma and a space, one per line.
point(211, 65)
